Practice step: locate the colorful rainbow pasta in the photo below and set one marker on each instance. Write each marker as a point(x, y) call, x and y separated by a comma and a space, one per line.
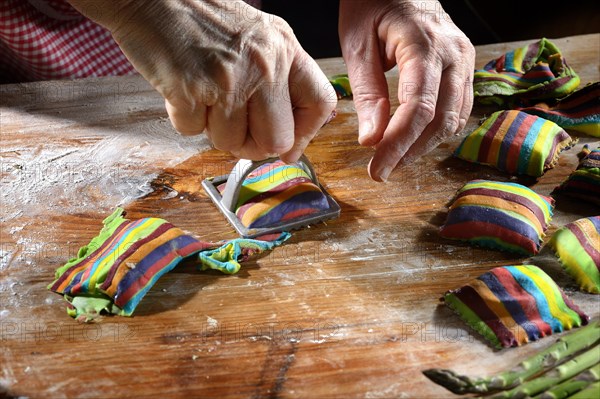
point(341, 84)
point(512, 305)
point(118, 267)
point(277, 192)
point(515, 142)
point(584, 182)
point(534, 72)
point(503, 216)
point(579, 111)
point(577, 246)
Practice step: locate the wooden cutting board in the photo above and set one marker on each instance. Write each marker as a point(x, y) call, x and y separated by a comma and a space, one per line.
point(344, 309)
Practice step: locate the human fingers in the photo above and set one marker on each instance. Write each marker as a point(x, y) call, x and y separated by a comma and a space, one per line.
point(227, 125)
point(450, 115)
point(313, 99)
point(186, 117)
point(360, 50)
point(270, 122)
point(418, 87)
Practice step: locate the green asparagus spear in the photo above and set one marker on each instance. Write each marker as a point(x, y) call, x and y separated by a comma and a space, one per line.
point(555, 376)
point(591, 392)
point(565, 347)
point(575, 384)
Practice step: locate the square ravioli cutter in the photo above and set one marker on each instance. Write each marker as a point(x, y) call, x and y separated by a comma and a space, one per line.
point(227, 200)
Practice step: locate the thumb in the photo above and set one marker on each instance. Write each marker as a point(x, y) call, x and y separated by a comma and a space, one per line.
point(369, 90)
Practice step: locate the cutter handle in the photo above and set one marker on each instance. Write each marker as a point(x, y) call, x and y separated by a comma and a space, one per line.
point(244, 167)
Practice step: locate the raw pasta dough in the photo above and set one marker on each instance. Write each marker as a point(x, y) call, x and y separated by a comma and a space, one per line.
point(577, 245)
point(533, 72)
point(584, 182)
point(277, 192)
point(119, 266)
point(579, 111)
point(515, 142)
point(504, 216)
point(513, 305)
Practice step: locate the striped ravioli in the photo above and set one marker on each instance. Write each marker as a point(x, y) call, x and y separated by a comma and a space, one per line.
point(504, 216)
point(577, 245)
point(277, 192)
point(579, 111)
point(534, 72)
point(119, 266)
point(513, 305)
point(515, 142)
point(584, 182)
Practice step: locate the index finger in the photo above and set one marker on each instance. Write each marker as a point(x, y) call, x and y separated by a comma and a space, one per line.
point(418, 87)
point(313, 99)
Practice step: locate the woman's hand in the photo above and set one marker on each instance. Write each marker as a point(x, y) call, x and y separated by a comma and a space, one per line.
point(435, 63)
point(224, 68)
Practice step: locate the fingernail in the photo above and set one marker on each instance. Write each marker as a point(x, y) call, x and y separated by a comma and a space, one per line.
point(365, 128)
point(461, 125)
point(385, 173)
point(290, 157)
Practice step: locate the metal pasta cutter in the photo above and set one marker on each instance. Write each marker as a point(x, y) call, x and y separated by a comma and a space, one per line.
point(227, 201)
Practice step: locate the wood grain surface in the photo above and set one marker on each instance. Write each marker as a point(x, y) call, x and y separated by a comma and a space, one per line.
point(345, 309)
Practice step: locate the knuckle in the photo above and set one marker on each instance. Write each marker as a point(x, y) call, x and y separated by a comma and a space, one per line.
point(184, 129)
point(451, 123)
point(466, 49)
point(425, 109)
point(271, 144)
point(366, 96)
point(280, 24)
point(327, 105)
point(368, 100)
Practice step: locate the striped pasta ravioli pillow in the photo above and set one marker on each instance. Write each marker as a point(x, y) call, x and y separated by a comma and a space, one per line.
point(121, 264)
point(579, 111)
point(504, 216)
point(516, 142)
point(533, 72)
point(514, 305)
point(277, 192)
point(577, 245)
point(584, 182)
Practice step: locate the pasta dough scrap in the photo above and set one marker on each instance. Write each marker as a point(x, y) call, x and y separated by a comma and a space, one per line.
point(277, 192)
point(504, 216)
point(577, 245)
point(516, 142)
point(579, 111)
point(584, 182)
point(119, 266)
point(513, 305)
point(341, 84)
point(533, 72)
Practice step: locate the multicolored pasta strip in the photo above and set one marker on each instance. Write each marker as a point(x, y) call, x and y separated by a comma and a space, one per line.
point(515, 142)
point(504, 216)
point(577, 245)
point(341, 84)
point(513, 305)
point(277, 192)
point(533, 72)
point(118, 267)
point(579, 111)
point(584, 182)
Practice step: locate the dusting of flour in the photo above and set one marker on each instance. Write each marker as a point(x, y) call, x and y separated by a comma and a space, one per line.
point(98, 171)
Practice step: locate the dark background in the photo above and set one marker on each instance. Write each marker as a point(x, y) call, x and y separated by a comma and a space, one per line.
point(315, 22)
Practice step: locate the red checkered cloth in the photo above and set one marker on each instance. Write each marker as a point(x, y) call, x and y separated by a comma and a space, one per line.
point(49, 39)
